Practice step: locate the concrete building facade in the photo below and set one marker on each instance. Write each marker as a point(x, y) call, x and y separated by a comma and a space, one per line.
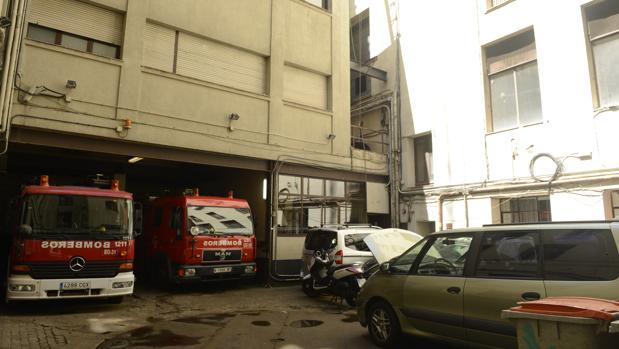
point(507, 110)
point(248, 95)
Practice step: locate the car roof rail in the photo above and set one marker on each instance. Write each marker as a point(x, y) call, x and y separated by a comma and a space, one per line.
point(550, 223)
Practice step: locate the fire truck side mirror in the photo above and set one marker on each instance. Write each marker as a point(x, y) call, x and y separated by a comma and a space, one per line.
point(25, 229)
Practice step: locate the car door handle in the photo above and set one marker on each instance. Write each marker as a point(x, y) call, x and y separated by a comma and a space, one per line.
point(531, 296)
point(453, 290)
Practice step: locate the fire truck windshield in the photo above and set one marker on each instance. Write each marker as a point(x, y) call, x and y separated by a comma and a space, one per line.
point(65, 216)
point(220, 220)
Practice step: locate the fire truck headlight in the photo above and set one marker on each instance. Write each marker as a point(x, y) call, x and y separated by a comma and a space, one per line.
point(21, 288)
point(122, 284)
point(250, 269)
point(190, 272)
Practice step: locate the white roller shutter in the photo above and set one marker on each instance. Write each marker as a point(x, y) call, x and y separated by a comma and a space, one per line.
point(158, 49)
point(225, 65)
point(78, 18)
point(304, 87)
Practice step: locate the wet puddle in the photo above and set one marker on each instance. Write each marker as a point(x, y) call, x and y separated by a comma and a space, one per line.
point(305, 323)
point(261, 323)
point(210, 320)
point(147, 337)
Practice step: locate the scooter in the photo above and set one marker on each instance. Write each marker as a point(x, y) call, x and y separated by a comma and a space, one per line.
point(343, 281)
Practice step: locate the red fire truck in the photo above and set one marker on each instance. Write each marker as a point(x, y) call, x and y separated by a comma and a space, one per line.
point(70, 242)
point(191, 238)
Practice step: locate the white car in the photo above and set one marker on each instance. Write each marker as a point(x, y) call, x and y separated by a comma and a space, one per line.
point(350, 246)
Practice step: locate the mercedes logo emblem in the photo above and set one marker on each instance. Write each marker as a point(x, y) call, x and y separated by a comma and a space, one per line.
point(77, 263)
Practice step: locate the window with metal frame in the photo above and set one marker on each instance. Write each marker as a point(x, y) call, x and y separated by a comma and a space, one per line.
point(513, 82)
point(525, 210)
point(306, 203)
point(602, 21)
point(71, 41)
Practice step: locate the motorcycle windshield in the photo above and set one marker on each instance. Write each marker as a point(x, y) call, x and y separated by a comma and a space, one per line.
point(390, 243)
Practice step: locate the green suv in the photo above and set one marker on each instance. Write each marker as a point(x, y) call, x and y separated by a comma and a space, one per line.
point(452, 285)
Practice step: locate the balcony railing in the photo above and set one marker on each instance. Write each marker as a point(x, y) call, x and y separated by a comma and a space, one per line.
point(376, 141)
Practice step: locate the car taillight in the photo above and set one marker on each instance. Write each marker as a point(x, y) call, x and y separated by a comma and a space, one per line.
point(339, 257)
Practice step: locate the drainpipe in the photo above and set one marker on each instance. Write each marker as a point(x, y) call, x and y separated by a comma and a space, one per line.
point(440, 212)
point(466, 209)
point(18, 9)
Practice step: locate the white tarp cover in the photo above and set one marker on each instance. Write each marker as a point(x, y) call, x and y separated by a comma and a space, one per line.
point(390, 243)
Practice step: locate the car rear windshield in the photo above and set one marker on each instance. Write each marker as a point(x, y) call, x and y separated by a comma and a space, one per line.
point(319, 239)
point(355, 241)
point(213, 220)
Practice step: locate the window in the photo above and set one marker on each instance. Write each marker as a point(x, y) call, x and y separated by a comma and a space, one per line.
point(319, 239)
point(580, 255)
point(306, 203)
point(74, 42)
point(423, 159)
point(403, 264)
point(495, 3)
point(176, 221)
point(525, 210)
point(509, 255)
point(513, 82)
point(603, 31)
point(355, 242)
point(360, 84)
point(324, 4)
point(445, 257)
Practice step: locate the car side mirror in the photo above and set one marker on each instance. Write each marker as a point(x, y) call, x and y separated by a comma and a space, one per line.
point(385, 267)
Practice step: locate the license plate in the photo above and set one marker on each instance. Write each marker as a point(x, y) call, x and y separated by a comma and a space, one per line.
point(222, 270)
point(75, 285)
point(360, 282)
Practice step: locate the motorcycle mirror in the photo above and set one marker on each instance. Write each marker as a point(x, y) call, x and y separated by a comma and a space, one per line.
point(385, 267)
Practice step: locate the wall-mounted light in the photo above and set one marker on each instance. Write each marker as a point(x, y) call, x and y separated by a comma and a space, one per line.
point(331, 136)
point(232, 117)
point(71, 84)
point(135, 159)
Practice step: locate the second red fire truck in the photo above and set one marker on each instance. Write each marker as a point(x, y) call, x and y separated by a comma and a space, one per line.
point(192, 238)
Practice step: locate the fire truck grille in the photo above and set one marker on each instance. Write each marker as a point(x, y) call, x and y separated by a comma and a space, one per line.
point(58, 270)
point(222, 255)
